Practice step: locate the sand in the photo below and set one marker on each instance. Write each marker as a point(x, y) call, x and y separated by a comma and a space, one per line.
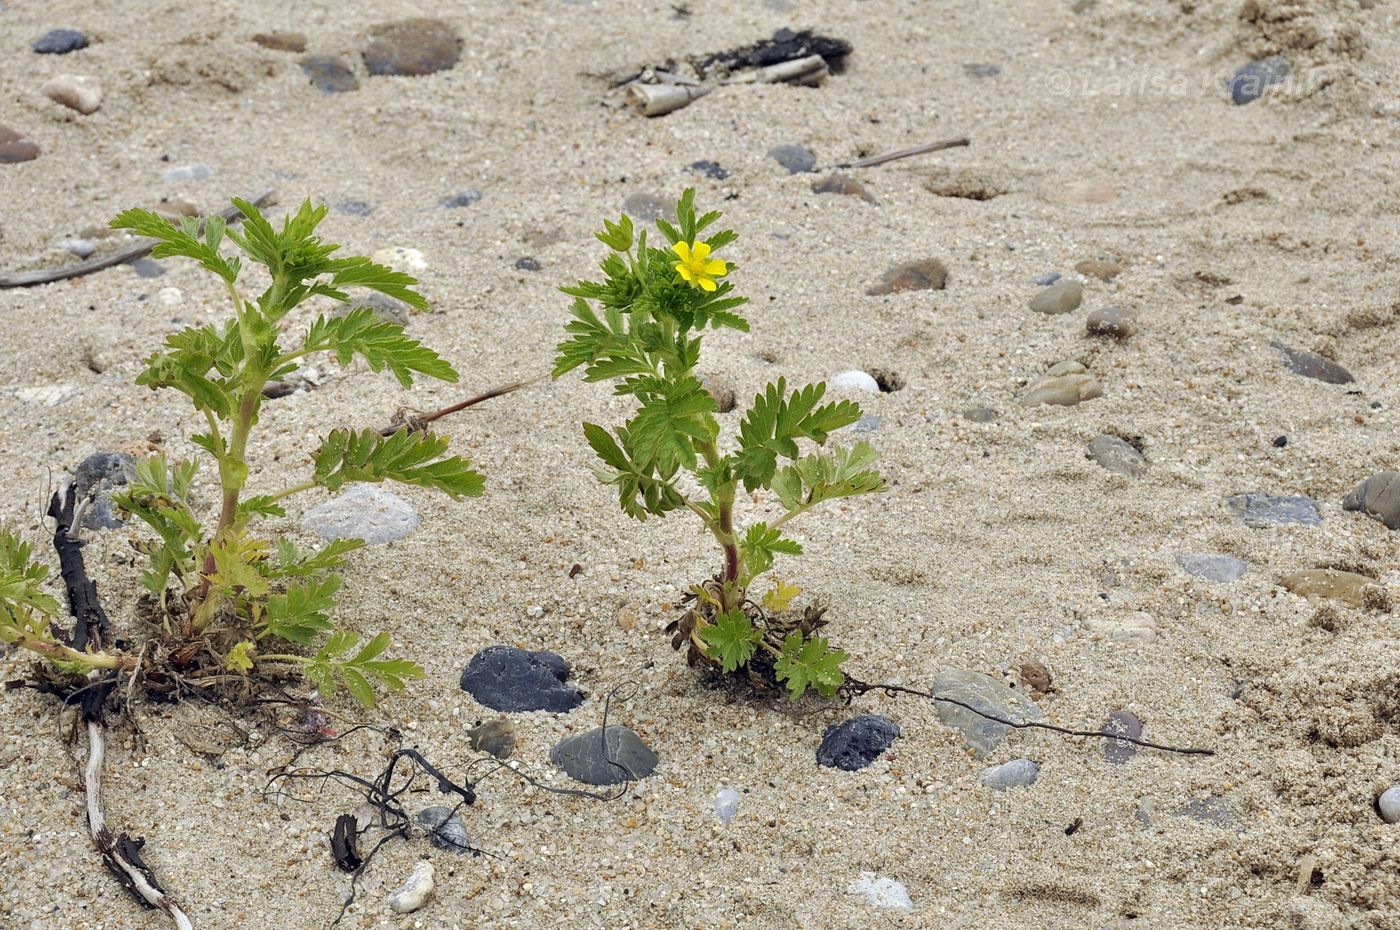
point(998, 543)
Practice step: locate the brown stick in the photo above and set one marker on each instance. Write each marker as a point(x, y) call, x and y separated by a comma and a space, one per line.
point(874, 160)
point(418, 422)
point(138, 249)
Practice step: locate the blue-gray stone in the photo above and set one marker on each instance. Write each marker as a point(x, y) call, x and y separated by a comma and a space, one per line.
point(1123, 723)
point(1222, 568)
point(646, 207)
point(1047, 279)
point(95, 479)
point(982, 71)
point(709, 169)
point(853, 744)
point(354, 208)
point(363, 512)
point(146, 267)
point(989, 696)
point(1311, 365)
point(867, 424)
point(59, 42)
point(1248, 83)
point(79, 247)
point(594, 760)
point(329, 75)
point(795, 158)
point(1263, 510)
point(445, 829)
point(464, 199)
point(1018, 773)
point(1377, 497)
point(527, 264)
point(510, 679)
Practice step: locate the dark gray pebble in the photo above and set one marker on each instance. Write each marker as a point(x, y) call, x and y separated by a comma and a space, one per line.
point(510, 679)
point(95, 478)
point(853, 744)
point(59, 42)
point(584, 758)
point(527, 264)
point(354, 207)
point(445, 829)
point(795, 158)
point(982, 71)
point(1312, 365)
point(146, 267)
point(1123, 723)
point(329, 75)
point(1379, 497)
point(465, 199)
point(709, 169)
point(1248, 83)
point(1047, 279)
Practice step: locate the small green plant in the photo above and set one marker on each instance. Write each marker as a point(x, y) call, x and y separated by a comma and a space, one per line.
point(641, 327)
point(228, 600)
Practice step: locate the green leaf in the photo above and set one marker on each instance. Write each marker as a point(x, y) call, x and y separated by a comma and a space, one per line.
point(380, 343)
point(823, 476)
point(758, 548)
point(295, 562)
point(299, 614)
point(732, 639)
point(408, 457)
point(617, 236)
point(362, 272)
point(360, 670)
point(775, 422)
point(641, 491)
point(182, 241)
point(673, 417)
point(810, 663)
point(236, 563)
point(25, 609)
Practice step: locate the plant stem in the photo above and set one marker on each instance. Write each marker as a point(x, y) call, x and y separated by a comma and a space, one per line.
point(62, 653)
point(278, 657)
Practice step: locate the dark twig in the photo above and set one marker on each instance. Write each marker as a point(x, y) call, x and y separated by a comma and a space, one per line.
point(854, 689)
point(874, 160)
point(137, 249)
point(419, 421)
point(90, 623)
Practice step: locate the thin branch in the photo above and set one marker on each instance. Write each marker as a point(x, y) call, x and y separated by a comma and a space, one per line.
point(419, 421)
point(874, 160)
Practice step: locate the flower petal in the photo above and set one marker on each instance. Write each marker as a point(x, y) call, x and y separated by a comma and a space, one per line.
point(707, 284)
point(701, 250)
point(684, 272)
point(683, 250)
point(716, 267)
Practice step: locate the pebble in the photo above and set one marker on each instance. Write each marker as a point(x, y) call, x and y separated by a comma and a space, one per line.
point(883, 892)
point(855, 380)
point(726, 805)
point(979, 414)
point(709, 169)
point(79, 247)
point(838, 183)
point(982, 71)
point(724, 396)
point(926, 275)
point(987, 694)
point(1248, 83)
point(445, 829)
point(187, 173)
point(170, 297)
point(853, 744)
point(15, 148)
point(75, 91)
point(1047, 279)
point(464, 199)
point(646, 207)
point(1114, 322)
point(1347, 587)
point(329, 75)
point(43, 395)
point(795, 158)
point(583, 757)
point(527, 264)
point(509, 679)
point(415, 891)
point(412, 47)
point(363, 512)
point(1060, 297)
point(401, 259)
point(60, 42)
point(1117, 455)
point(1066, 384)
point(1124, 723)
point(1263, 510)
point(867, 424)
point(1136, 629)
point(1214, 810)
point(383, 306)
point(1377, 497)
point(146, 267)
point(494, 737)
point(1222, 568)
point(96, 477)
point(1312, 365)
point(354, 208)
point(1103, 270)
point(281, 41)
point(1388, 804)
point(1018, 773)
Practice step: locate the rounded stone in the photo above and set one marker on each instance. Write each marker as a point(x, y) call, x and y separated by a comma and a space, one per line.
point(1117, 455)
point(1312, 365)
point(1103, 270)
point(1066, 384)
point(1018, 773)
point(329, 75)
point(853, 744)
point(1114, 322)
point(363, 512)
point(855, 380)
point(726, 804)
point(710, 169)
point(445, 829)
point(1388, 804)
point(795, 158)
point(509, 679)
point(646, 207)
point(60, 42)
point(15, 148)
point(463, 199)
point(1248, 83)
point(1060, 297)
point(412, 47)
point(75, 91)
point(604, 757)
point(1378, 497)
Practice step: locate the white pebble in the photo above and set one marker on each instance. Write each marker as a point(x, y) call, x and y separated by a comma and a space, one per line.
point(883, 892)
point(74, 91)
point(726, 804)
point(856, 381)
point(1018, 773)
point(1389, 804)
point(416, 891)
point(170, 296)
point(187, 173)
point(401, 259)
point(79, 247)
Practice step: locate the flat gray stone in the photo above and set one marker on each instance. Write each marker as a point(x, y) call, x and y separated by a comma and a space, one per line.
point(329, 75)
point(882, 892)
point(363, 512)
point(853, 744)
point(1312, 365)
point(1060, 297)
point(1264, 510)
point(1377, 497)
point(795, 158)
point(987, 694)
point(1018, 773)
point(647, 207)
point(96, 478)
point(1124, 723)
point(1117, 455)
point(445, 829)
point(584, 758)
point(1248, 83)
point(509, 679)
point(1221, 568)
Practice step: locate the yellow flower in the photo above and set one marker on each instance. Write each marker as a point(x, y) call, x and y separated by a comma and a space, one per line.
point(694, 268)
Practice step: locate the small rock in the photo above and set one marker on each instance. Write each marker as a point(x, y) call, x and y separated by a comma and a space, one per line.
point(926, 275)
point(75, 91)
point(1388, 804)
point(1117, 455)
point(329, 75)
point(43, 395)
point(1263, 510)
point(1221, 568)
point(175, 208)
point(883, 892)
point(354, 208)
point(646, 207)
point(401, 259)
point(854, 380)
point(170, 297)
point(1214, 810)
point(583, 757)
point(527, 264)
point(867, 424)
point(724, 397)
point(795, 158)
point(146, 267)
point(1066, 384)
point(464, 199)
point(1136, 629)
point(1047, 279)
point(1280, 442)
point(979, 414)
point(1124, 723)
point(60, 42)
point(1312, 365)
point(363, 512)
point(79, 247)
point(445, 828)
point(509, 679)
point(1248, 83)
point(887, 379)
point(187, 173)
point(495, 737)
point(1378, 497)
point(838, 183)
point(1103, 270)
point(1060, 297)
point(14, 148)
point(1114, 322)
point(709, 169)
point(987, 694)
point(853, 744)
point(982, 71)
point(281, 41)
point(1347, 587)
point(1018, 773)
point(726, 805)
point(383, 306)
point(1036, 676)
point(415, 891)
point(412, 47)
point(95, 479)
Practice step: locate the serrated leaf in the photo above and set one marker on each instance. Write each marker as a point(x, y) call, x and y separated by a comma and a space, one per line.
point(299, 614)
point(732, 639)
point(827, 475)
point(407, 457)
point(778, 599)
point(759, 547)
point(293, 561)
point(381, 343)
point(810, 663)
point(776, 421)
point(238, 658)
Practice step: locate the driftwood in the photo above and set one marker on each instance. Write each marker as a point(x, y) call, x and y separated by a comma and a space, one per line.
point(417, 421)
point(874, 160)
point(660, 99)
point(810, 71)
point(138, 249)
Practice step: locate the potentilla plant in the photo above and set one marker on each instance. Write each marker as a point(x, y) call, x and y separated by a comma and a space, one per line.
point(641, 328)
point(229, 601)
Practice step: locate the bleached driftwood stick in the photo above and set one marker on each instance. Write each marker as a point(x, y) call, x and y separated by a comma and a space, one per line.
point(660, 99)
point(811, 70)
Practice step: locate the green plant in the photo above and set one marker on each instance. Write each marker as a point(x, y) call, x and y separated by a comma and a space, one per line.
point(641, 327)
point(245, 601)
